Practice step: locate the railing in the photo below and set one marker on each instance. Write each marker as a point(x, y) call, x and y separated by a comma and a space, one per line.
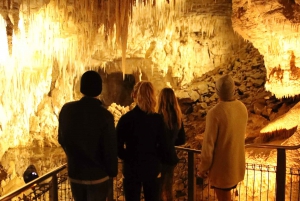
point(54, 185)
point(281, 166)
point(191, 171)
point(38, 189)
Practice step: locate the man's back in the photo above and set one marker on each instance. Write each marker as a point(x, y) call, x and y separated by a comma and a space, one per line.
point(87, 133)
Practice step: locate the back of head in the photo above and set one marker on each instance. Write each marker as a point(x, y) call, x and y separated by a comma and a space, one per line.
point(169, 108)
point(91, 84)
point(135, 90)
point(166, 99)
point(146, 97)
point(225, 88)
point(30, 174)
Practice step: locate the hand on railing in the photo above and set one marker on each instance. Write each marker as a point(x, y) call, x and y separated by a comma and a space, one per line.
point(203, 175)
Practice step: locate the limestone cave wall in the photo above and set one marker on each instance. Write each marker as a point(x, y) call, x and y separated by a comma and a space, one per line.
point(44, 50)
point(44, 58)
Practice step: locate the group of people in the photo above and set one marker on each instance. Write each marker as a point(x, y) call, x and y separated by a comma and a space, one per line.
point(145, 139)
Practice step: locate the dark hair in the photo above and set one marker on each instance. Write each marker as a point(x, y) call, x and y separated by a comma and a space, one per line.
point(30, 174)
point(91, 84)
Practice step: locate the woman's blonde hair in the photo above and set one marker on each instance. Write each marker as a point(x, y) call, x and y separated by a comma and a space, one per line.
point(135, 90)
point(146, 97)
point(168, 106)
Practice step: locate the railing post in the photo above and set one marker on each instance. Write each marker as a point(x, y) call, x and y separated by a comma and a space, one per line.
point(191, 177)
point(53, 189)
point(280, 175)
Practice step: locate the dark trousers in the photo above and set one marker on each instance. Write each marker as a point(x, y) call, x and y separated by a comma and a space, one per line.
point(166, 191)
point(132, 189)
point(95, 192)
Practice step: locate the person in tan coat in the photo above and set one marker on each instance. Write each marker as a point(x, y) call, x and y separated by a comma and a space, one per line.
point(223, 148)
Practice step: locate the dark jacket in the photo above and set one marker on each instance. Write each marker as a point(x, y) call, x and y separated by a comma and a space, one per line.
point(176, 137)
point(87, 134)
point(142, 144)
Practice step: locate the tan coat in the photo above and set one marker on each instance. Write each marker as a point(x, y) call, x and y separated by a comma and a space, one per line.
point(223, 149)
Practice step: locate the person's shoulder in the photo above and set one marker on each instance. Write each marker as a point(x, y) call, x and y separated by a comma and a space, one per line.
point(215, 108)
point(244, 108)
point(126, 118)
point(135, 111)
point(68, 108)
point(128, 115)
point(158, 117)
point(216, 111)
point(103, 109)
point(69, 104)
point(240, 103)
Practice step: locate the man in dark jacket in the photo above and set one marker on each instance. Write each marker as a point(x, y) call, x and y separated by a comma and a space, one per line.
point(87, 134)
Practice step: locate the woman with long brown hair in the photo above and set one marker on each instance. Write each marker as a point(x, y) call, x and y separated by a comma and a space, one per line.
point(142, 144)
point(169, 108)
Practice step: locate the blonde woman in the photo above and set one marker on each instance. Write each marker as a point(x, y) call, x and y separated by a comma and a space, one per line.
point(142, 144)
point(135, 90)
point(169, 108)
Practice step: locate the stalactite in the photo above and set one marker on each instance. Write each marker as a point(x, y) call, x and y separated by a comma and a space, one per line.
point(4, 50)
point(278, 134)
point(43, 32)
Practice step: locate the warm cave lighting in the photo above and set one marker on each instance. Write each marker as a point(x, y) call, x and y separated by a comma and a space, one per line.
point(3, 41)
point(65, 32)
point(260, 183)
point(284, 125)
point(282, 84)
point(281, 64)
point(65, 35)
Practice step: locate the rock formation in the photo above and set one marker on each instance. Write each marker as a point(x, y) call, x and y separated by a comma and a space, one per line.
point(45, 45)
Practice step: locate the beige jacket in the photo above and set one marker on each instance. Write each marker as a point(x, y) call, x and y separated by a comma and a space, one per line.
point(223, 148)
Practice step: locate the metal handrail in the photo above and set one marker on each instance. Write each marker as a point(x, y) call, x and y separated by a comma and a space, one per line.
point(281, 166)
point(191, 171)
point(280, 173)
point(268, 146)
point(188, 149)
point(271, 146)
point(29, 185)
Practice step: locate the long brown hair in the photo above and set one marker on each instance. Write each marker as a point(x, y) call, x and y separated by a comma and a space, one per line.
point(145, 98)
point(168, 106)
point(135, 90)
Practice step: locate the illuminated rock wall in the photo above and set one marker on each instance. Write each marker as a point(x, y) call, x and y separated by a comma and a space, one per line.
point(48, 47)
point(273, 28)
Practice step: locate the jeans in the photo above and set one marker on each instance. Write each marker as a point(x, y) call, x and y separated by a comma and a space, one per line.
point(132, 189)
point(95, 192)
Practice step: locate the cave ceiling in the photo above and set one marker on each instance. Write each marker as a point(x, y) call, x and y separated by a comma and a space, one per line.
point(272, 26)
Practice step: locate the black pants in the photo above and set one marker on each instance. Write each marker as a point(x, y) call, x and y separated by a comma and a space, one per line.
point(132, 189)
point(96, 192)
point(166, 191)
